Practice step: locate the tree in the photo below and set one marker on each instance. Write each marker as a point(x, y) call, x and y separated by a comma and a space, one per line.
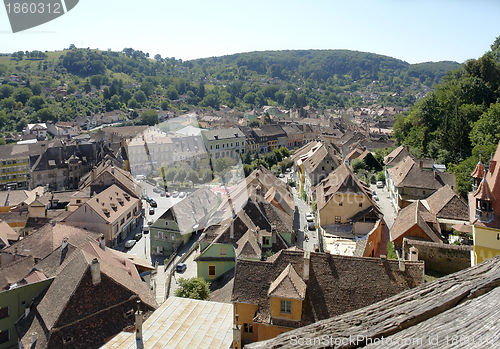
point(22, 95)
point(36, 102)
point(6, 91)
point(180, 176)
point(158, 58)
point(140, 96)
point(357, 164)
point(172, 93)
point(164, 105)
point(96, 80)
point(194, 288)
point(220, 165)
point(46, 115)
point(132, 103)
point(170, 174)
point(193, 177)
point(86, 87)
point(149, 117)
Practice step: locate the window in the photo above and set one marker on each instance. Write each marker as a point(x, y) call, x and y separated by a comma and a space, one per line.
point(248, 328)
point(340, 203)
point(360, 204)
point(286, 307)
point(323, 168)
point(211, 146)
point(237, 144)
point(160, 235)
point(211, 270)
point(122, 221)
point(4, 312)
point(222, 251)
point(217, 146)
point(4, 336)
point(223, 144)
point(231, 144)
point(337, 219)
point(172, 237)
point(265, 240)
point(128, 215)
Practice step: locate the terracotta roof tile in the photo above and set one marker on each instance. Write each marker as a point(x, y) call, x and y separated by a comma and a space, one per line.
point(336, 285)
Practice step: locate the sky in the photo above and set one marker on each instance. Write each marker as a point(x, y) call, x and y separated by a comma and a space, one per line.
point(412, 30)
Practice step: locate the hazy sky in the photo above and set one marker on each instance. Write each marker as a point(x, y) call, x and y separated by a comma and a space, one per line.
point(411, 30)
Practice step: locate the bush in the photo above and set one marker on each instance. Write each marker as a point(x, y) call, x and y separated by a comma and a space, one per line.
point(194, 288)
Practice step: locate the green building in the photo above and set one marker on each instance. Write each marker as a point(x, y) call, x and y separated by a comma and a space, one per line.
point(13, 305)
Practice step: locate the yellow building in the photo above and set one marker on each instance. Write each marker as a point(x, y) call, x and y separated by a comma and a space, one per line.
point(347, 213)
point(295, 288)
point(484, 202)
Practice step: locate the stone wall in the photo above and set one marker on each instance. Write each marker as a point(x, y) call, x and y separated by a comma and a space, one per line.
point(442, 258)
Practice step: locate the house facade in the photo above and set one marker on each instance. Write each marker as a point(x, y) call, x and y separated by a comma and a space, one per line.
point(229, 142)
point(182, 221)
point(113, 212)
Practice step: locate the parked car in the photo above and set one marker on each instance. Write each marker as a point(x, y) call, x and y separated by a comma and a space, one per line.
point(137, 236)
point(151, 211)
point(281, 175)
point(130, 243)
point(175, 194)
point(145, 229)
point(162, 194)
point(309, 217)
point(153, 203)
point(380, 184)
point(181, 267)
point(182, 194)
point(148, 199)
point(150, 222)
point(375, 196)
point(168, 194)
point(156, 190)
point(311, 226)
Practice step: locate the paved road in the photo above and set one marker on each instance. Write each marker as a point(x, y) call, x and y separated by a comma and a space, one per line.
point(190, 272)
point(385, 205)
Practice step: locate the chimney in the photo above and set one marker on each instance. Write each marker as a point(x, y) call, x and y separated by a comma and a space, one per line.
point(102, 242)
point(113, 169)
point(95, 270)
point(307, 260)
point(138, 322)
point(413, 254)
point(64, 243)
point(93, 173)
point(421, 164)
point(34, 337)
point(401, 265)
point(493, 164)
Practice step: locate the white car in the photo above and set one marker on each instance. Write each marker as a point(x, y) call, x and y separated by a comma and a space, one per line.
point(309, 217)
point(182, 194)
point(130, 243)
point(380, 184)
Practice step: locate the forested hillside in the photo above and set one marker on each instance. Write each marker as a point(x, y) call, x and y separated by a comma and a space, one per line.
point(106, 81)
point(460, 119)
